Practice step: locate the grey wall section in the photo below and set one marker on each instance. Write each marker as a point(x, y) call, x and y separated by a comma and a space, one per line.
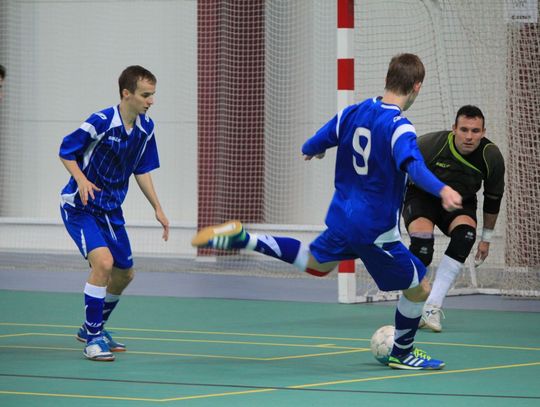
point(64, 60)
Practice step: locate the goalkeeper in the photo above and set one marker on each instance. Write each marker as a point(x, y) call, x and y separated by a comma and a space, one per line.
point(463, 159)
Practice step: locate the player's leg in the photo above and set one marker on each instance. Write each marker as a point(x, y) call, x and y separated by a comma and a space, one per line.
point(393, 267)
point(462, 231)
point(420, 213)
point(232, 235)
point(121, 276)
point(86, 233)
point(422, 241)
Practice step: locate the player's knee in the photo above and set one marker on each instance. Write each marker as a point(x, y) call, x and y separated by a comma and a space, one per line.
point(103, 263)
point(422, 247)
point(419, 293)
point(462, 241)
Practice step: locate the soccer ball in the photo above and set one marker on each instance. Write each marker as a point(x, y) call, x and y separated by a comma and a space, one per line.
point(382, 342)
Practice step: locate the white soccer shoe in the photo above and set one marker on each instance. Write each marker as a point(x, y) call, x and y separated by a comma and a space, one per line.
point(431, 318)
point(97, 349)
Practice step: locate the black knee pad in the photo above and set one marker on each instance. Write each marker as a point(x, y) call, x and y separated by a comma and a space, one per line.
point(462, 241)
point(422, 247)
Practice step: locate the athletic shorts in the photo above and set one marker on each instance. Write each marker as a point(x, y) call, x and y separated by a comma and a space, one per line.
point(391, 265)
point(421, 204)
point(90, 232)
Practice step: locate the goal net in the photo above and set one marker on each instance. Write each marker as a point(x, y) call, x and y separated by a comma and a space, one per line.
point(241, 85)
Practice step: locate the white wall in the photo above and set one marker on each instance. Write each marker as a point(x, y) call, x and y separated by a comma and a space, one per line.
point(64, 62)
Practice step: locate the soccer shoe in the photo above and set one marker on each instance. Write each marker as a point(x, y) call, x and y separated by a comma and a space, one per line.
point(114, 346)
point(431, 318)
point(415, 360)
point(222, 236)
point(98, 350)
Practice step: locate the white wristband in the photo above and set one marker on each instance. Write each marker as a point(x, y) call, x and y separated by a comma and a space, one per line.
point(487, 234)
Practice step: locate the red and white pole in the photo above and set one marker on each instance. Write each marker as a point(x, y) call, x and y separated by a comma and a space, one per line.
point(345, 97)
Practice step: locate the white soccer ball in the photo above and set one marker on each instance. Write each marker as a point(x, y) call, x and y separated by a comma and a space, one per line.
point(382, 342)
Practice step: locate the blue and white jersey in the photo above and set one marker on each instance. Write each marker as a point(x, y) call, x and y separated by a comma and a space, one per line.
point(374, 144)
point(108, 155)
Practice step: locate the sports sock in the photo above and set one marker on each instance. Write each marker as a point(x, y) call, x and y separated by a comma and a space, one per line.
point(287, 249)
point(94, 297)
point(447, 273)
point(407, 317)
point(111, 300)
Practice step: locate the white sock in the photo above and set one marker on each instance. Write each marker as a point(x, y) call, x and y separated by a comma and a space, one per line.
point(447, 273)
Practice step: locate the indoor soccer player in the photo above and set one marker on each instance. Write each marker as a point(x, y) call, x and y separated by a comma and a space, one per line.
point(101, 155)
point(376, 149)
point(462, 158)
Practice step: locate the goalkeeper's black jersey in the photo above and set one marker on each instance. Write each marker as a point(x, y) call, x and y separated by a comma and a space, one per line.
point(464, 173)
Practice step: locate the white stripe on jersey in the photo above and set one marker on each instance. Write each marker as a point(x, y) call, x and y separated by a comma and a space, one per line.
point(393, 107)
point(401, 130)
point(88, 153)
point(87, 127)
point(338, 121)
point(69, 198)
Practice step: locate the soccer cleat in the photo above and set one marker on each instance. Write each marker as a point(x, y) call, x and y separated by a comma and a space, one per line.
point(431, 318)
point(114, 346)
point(98, 350)
point(222, 236)
point(415, 360)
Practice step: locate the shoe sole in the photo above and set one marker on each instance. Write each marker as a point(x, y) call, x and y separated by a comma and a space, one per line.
point(111, 349)
point(99, 359)
point(231, 228)
point(406, 367)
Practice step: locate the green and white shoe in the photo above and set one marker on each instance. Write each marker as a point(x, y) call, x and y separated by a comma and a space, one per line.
point(228, 235)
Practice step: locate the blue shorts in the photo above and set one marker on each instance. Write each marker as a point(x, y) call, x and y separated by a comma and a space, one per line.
point(90, 232)
point(392, 265)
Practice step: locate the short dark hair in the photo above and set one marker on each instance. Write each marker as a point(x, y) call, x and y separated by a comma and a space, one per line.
point(2, 71)
point(403, 72)
point(471, 112)
point(131, 75)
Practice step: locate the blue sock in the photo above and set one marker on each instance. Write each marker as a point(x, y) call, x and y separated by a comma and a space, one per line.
point(283, 248)
point(111, 300)
point(408, 315)
point(94, 298)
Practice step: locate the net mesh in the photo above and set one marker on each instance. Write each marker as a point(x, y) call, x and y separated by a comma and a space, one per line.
point(241, 85)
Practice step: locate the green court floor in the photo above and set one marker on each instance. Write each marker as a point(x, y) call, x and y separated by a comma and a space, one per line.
point(209, 352)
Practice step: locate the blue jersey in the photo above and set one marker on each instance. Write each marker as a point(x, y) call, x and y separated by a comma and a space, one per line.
point(374, 147)
point(108, 155)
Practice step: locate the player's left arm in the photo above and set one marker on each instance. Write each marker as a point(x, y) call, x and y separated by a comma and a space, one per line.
point(147, 187)
point(149, 161)
point(493, 193)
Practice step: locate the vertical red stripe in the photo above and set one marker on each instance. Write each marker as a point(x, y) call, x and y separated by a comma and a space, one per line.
point(345, 69)
point(346, 266)
point(345, 14)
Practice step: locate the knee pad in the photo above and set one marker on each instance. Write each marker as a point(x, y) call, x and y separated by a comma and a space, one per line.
point(462, 241)
point(422, 247)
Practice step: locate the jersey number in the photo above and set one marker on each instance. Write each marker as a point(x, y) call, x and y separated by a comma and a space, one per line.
point(361, 132)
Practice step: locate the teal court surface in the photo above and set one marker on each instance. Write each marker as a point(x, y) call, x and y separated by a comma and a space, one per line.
point(212, 352)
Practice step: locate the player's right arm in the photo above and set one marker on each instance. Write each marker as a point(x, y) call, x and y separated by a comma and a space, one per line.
point(326, 137)
point(85, 187)
point(73, 147)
